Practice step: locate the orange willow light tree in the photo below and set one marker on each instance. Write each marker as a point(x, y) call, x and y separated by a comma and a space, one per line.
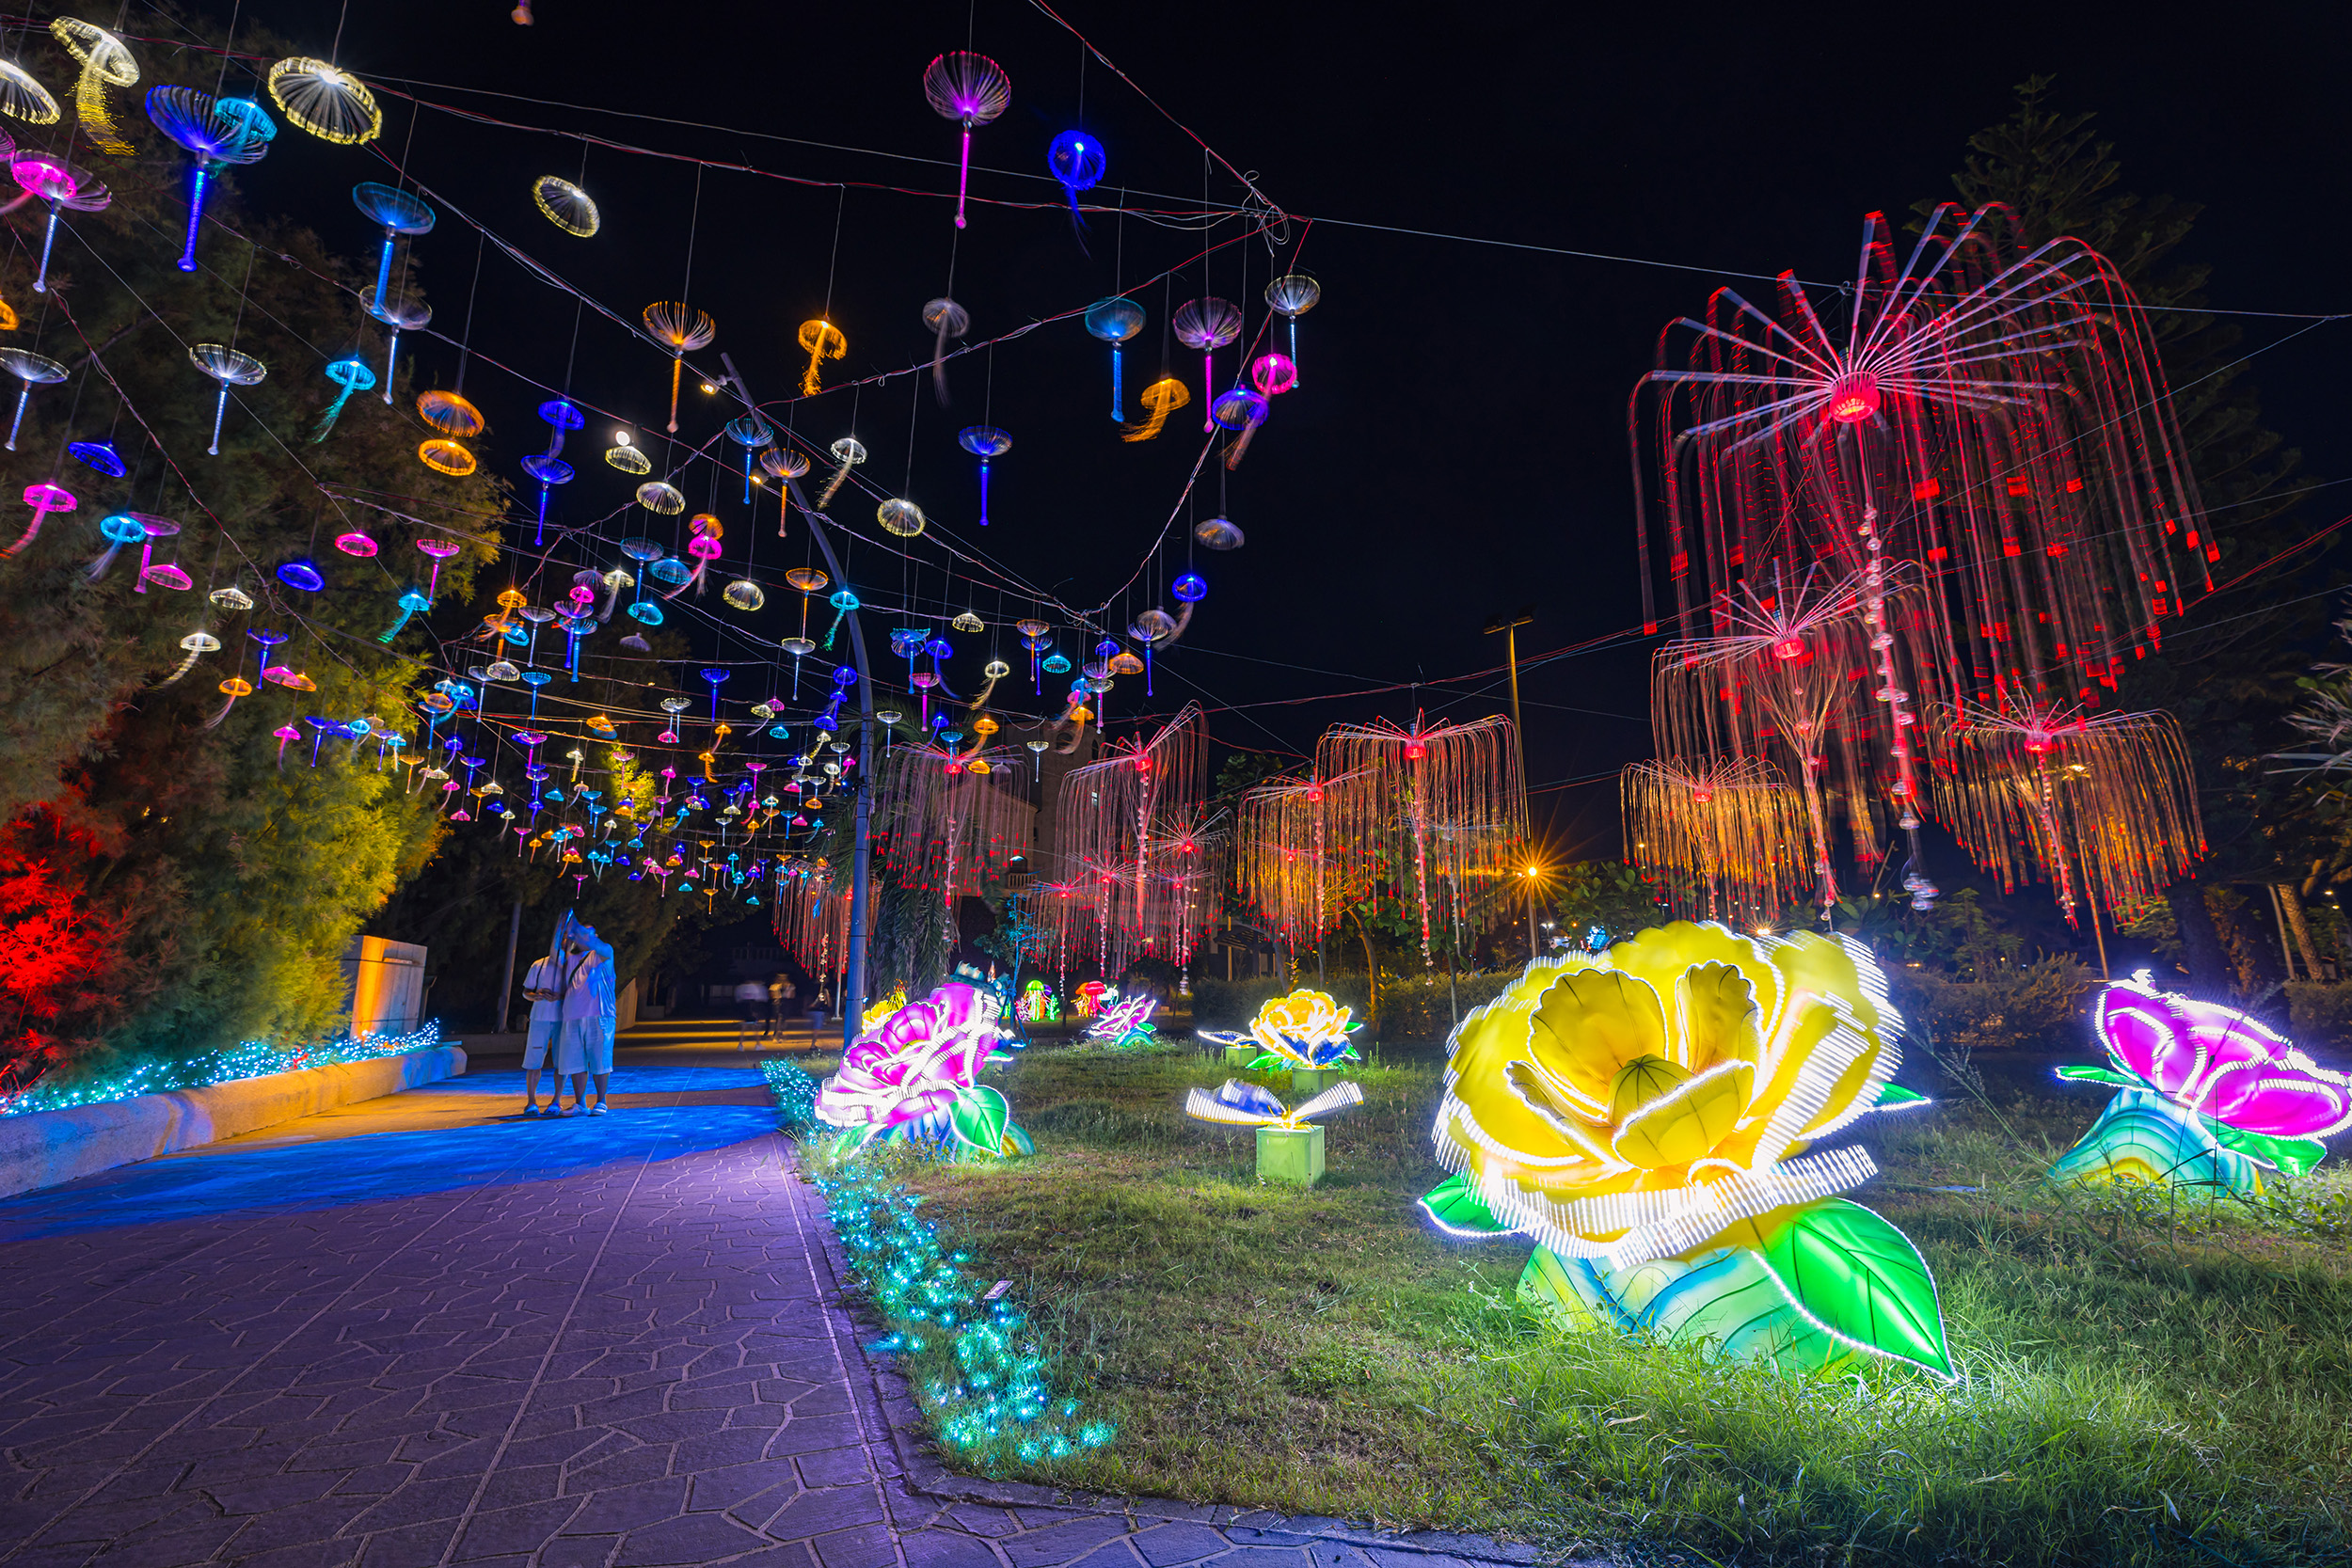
point(1282, 866)
point(2102, 807)
point(812, 916)
point(1439, 813)
point(1728, 839)
point(1139, 861)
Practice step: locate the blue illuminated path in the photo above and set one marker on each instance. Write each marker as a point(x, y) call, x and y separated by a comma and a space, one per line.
point(423, 1331)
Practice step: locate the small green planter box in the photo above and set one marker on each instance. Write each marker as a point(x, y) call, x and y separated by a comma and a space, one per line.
point(1315, 1080)
point(1240, 1055)
point(1290, 1154)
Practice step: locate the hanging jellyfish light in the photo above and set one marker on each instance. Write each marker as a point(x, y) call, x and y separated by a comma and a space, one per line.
point(43, 499)
point(165, 574)
point(705, 530)
point(1290, 296)
point(1238, 409)
point(849, 452)
point(901, 517)
point(1217, 533)
point(679, 327)
point(412, 599)
point(397, 213)
point(438, 551)
point(972, 91)
point(100, 455)
point(325, 99)
point(231, 369)
point(399, 315)
point(946, 319)
point(350, 376)
point(1161, 399)
point(1208, 325)
point(717, 678)
point(357, 542)
point(750, 433)
point(985, 442)
point(219, 132)
point(34, 371)
point(843, 601)
point(122, 528)
point(547, 467)
point(808, 581)
point(567, 206)
point(195, 646)
point(781, 461)
point(23, 98)
point(1077, 161)
point(60, 185)
point(1114, 321)
point(823, 341)
point(106, 63)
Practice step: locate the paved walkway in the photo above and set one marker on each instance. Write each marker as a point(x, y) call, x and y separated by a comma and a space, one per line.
point(423, 1331)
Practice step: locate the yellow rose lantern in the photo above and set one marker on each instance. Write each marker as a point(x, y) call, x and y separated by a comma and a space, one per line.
point(1649, 1116)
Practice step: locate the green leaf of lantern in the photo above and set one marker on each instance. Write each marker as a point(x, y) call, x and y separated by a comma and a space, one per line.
point(1454, 1204)
point(1894, 1096)
point(978, 1119)
point(1862, 1279)
point(2291, 1156)
point(2073, 1073)
point(1017, 1141)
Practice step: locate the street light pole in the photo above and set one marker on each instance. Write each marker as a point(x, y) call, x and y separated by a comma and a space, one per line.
point(861, 856)
point(1509, 626)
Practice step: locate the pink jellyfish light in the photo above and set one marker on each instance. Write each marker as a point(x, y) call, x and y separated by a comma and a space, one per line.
point(1207, 324)
point(972, 91)
point(439, 550)
point(43, 499)
point(61, 185)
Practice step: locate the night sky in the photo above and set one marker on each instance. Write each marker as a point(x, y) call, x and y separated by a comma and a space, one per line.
point(1456, 446)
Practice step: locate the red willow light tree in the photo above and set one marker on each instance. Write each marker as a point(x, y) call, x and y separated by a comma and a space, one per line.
point(1140, 860)
point(1966, 496)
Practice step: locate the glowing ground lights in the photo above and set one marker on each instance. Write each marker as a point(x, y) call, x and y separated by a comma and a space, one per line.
point(2206, 1098)
point(1644, 1113)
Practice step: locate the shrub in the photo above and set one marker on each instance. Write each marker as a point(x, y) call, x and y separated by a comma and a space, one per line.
point(2319, 1015)
point(2042, 1007)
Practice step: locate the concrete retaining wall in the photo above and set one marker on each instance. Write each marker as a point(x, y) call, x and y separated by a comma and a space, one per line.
point(42, 1148)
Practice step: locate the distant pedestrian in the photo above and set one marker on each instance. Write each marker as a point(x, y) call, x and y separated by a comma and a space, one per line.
point(540, 984)
point(816, 1011)
point(779, 992)
point(751, 1008)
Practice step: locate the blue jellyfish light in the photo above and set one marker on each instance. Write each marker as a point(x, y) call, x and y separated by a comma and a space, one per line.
point(1190, 588)
point(984, 441)
point(1076, 160)
point(750, 433)
point(547, 467)
point(100, 455)
point(353, 376)
point(220, 132)
point(399, 214)
point(1115, 321)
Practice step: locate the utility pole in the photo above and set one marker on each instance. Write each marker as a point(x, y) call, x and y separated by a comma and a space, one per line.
point(854, 969)
point(1509, 626)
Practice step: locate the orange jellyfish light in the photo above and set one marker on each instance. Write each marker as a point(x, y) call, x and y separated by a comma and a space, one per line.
point(823, 341)
point(1159, 400)
point(679, 327)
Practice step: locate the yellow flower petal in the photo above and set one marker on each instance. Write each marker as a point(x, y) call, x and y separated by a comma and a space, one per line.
point(1592, 1024)
point(1720, 1020)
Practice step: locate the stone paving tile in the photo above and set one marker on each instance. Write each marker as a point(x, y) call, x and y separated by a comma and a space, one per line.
point(622, 1356)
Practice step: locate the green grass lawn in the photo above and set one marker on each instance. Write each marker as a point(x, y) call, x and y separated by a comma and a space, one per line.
point(2140, 1382)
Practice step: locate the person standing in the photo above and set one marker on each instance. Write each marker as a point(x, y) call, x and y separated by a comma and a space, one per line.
point(817, 1010)
point(590, 1016)
point(540, 984)
point(779, 992)
point(750, 1005)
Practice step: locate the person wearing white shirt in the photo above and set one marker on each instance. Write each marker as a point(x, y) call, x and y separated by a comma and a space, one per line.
point(546, 1018)
point(585, 1040)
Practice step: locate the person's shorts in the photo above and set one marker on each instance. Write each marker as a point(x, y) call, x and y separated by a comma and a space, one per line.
point(536, 1044)
point(585, 1047)
point(754, 1012)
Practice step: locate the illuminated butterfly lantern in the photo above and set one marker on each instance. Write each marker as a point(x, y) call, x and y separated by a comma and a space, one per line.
point(972, 91)
point(1208, 325)
point(679, 327)
point(60, 185)
point(219, 132)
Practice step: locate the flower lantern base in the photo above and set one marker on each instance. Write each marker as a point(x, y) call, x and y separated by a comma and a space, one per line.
point(1313, 1079)
point(2143, 1136)
point(1290, 1154)
point(1240, 1055)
